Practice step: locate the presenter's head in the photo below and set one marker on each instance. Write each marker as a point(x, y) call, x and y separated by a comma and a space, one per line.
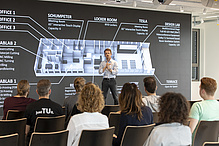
point(108, 54)
point(79, 83)
point(23, 88)
point(90, 99)
point(173, 107)
point(150, 85)
point(207, 87)
point(130, 100)
point(43, 88)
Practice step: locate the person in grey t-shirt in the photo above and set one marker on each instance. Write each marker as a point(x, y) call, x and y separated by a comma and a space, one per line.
point(70, 101)
point(151, 100)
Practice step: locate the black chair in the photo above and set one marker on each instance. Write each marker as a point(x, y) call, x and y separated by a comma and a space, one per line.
point(101, 137)
point(58, 138)
point(192, 102)
point(50, 124)
point(207, 131)
point(155, 117)
point(110, 108)
point(211, 144)
point(136, 135)
point(9, 140)
point(14, 114)
point(14, 126)
point(114, 120)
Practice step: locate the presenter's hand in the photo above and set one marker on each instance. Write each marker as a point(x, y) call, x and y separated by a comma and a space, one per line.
point(108, 65)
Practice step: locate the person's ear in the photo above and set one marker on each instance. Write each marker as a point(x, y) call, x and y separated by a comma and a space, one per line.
point(50, 91)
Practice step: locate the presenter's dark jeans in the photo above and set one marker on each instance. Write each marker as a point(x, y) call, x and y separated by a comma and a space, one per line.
point(109, 84)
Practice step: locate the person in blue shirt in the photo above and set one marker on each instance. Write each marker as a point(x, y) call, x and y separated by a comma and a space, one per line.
point(133, 110)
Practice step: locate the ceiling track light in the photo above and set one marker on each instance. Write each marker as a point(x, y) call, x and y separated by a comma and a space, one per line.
point(134, 3)
point(181, 9)
point(204, 11)
point(217, 20)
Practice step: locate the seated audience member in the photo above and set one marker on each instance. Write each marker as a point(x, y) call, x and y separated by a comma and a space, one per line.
point(151, 100)
point(43, 107)
point(91, 103)
point(69, 102)
point(207, 109)
point(133, 110)
point(19, 101)
point(173, 116)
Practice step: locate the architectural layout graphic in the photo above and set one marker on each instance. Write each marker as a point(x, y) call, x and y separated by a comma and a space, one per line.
point(70, 57)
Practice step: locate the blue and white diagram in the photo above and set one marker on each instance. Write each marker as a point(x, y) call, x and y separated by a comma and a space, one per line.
point(71, 57)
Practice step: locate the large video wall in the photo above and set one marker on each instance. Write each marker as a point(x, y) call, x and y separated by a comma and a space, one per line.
point(61, 41)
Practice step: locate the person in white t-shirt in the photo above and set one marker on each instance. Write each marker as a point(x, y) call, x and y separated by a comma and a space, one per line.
point(172, 129)
point(91, 103)
point(151, 100)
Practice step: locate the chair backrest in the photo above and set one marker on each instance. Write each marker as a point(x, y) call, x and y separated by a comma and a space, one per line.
point(14, 126)
point(110, 108)
point(211, 144)
point(14, 114)
point(114, 120)
point(136, 135)
point(101, 137)
point(9, 140)
point(58, 138)
point(155, 117)
point(192, 102)
point(49, 124)
point(207, 131)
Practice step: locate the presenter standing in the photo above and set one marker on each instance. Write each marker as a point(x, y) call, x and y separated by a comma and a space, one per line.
point(109, 68)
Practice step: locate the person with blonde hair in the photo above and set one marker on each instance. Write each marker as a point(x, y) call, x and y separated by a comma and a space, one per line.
point(133, 110)
point(91, 103)
point(19, 101)
point(172, 129)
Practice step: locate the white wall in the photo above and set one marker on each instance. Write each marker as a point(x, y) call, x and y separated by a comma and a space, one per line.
point(209, 55)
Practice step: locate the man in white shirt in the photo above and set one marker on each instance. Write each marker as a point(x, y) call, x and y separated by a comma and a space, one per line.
point(109, 68)
point(151, 100)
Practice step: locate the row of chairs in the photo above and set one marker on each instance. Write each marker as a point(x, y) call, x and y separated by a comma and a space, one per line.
point(200, 137)
point(43, 124)
point(133, 135)
point(58, 138)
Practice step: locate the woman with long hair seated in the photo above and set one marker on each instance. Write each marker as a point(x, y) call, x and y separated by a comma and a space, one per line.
point(133, 110)
point(173, 118)
point(91, 103)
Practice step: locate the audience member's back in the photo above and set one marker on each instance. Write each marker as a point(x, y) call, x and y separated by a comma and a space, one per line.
point(19, 101)
point(207, 109)
point(69, 102)
point(91, 103)
point(151, 100)
point(173, 115)
point(133, 110)
point(43, 107)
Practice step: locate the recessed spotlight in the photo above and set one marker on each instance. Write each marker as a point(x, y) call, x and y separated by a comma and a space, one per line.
point(181, 9)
